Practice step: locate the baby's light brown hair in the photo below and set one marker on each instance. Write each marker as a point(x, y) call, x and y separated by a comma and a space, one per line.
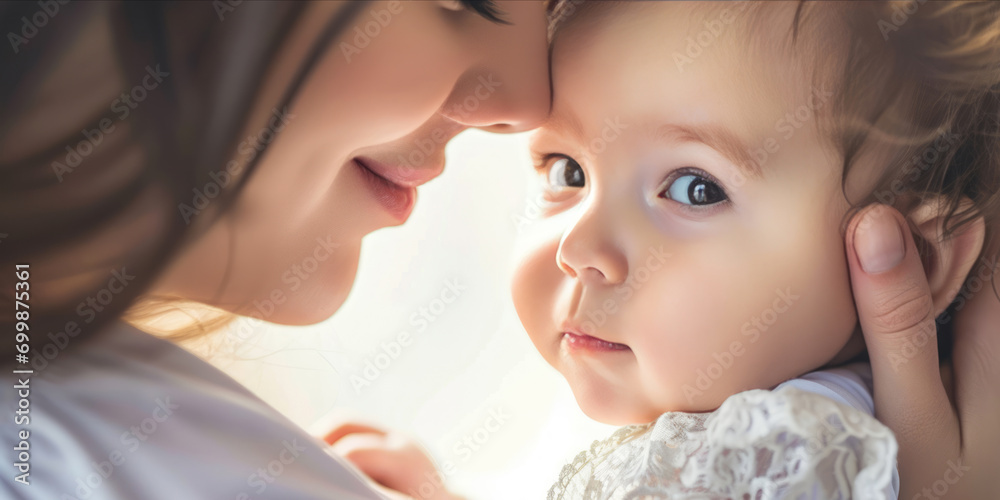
point(924, 76)
point(920, 79)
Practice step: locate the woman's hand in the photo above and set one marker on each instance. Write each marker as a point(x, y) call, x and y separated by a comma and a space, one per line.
point(391, 460)
point(946, 420)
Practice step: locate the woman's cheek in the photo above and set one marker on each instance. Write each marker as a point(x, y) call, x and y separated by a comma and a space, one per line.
point(405, 75)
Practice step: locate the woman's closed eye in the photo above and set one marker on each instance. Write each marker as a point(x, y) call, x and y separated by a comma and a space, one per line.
point(694, 188)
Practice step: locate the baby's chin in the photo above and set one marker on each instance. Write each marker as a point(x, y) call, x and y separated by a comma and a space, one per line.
point(622, 409)
point(614, 410)
point(614, 416)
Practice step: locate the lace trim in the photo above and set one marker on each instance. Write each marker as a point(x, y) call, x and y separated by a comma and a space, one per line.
point(759, 444)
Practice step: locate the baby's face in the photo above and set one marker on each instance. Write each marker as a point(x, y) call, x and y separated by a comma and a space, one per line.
point(690, 245)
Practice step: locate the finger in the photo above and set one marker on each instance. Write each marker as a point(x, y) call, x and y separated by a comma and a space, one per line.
point(345, 429)
point(367, 453)
point(390, 493)
point(895, 310)
point(394, 467)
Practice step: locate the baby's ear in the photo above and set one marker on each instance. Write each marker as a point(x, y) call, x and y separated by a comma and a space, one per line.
point(947, 261)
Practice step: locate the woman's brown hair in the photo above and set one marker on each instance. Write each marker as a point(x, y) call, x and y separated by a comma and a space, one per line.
point(119, 122)
point(113, 113)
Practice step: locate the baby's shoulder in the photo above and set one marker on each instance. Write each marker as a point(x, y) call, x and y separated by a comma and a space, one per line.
point(849, 384)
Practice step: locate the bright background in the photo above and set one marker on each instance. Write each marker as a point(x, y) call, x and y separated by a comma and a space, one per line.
point(472, 361)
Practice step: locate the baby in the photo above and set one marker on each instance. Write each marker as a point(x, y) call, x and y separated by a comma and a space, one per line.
point(688, 273)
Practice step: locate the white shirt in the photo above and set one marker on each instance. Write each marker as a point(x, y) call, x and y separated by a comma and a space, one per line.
point(850, 385)
point(814, 437)
point(129, 416)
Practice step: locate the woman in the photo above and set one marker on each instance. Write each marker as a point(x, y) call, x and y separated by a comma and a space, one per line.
point(196, 151)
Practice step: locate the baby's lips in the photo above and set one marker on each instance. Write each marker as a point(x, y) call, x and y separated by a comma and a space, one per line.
point(591, 343)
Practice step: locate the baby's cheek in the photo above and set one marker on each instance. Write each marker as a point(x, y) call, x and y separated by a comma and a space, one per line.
point(533, 289)
point(728, 321)
point(808, 316)
point(686, 328)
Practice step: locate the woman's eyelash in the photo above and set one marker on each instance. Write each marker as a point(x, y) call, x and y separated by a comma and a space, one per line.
point(486, 8)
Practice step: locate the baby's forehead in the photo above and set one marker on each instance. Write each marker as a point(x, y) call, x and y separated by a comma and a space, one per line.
point(778, 46)
point(738, 64)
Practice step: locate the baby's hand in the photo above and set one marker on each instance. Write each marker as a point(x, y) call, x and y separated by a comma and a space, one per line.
point(390, 459)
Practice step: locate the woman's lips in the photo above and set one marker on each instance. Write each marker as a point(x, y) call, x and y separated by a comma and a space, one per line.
point(585, 342)
point(406, 176)
point(397, 200)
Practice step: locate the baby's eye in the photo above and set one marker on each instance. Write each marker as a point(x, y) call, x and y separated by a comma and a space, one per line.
point(691, 189)
point(565, 173)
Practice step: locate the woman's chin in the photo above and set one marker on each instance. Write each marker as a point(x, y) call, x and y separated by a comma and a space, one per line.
point(308, 298)
point(307, 314)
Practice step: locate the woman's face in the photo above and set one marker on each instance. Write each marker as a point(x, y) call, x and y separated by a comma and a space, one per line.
point(368, 127)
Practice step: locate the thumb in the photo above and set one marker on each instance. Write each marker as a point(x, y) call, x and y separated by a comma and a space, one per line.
point(895, 309)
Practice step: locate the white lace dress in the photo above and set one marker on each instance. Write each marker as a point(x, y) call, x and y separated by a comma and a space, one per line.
point(813, 437)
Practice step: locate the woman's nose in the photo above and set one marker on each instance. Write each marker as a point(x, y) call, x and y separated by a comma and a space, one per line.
point(504, 102)
point(507, 89)
point(590, 252)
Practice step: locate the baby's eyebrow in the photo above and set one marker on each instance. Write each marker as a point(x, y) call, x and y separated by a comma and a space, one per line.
point(716, 137)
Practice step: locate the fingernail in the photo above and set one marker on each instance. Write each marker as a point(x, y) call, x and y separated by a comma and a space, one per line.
point(878, 241)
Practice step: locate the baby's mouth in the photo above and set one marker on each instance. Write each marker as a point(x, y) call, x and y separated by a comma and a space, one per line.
point(585, 342)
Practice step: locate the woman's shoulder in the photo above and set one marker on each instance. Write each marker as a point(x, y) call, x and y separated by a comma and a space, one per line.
point(129, 415)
